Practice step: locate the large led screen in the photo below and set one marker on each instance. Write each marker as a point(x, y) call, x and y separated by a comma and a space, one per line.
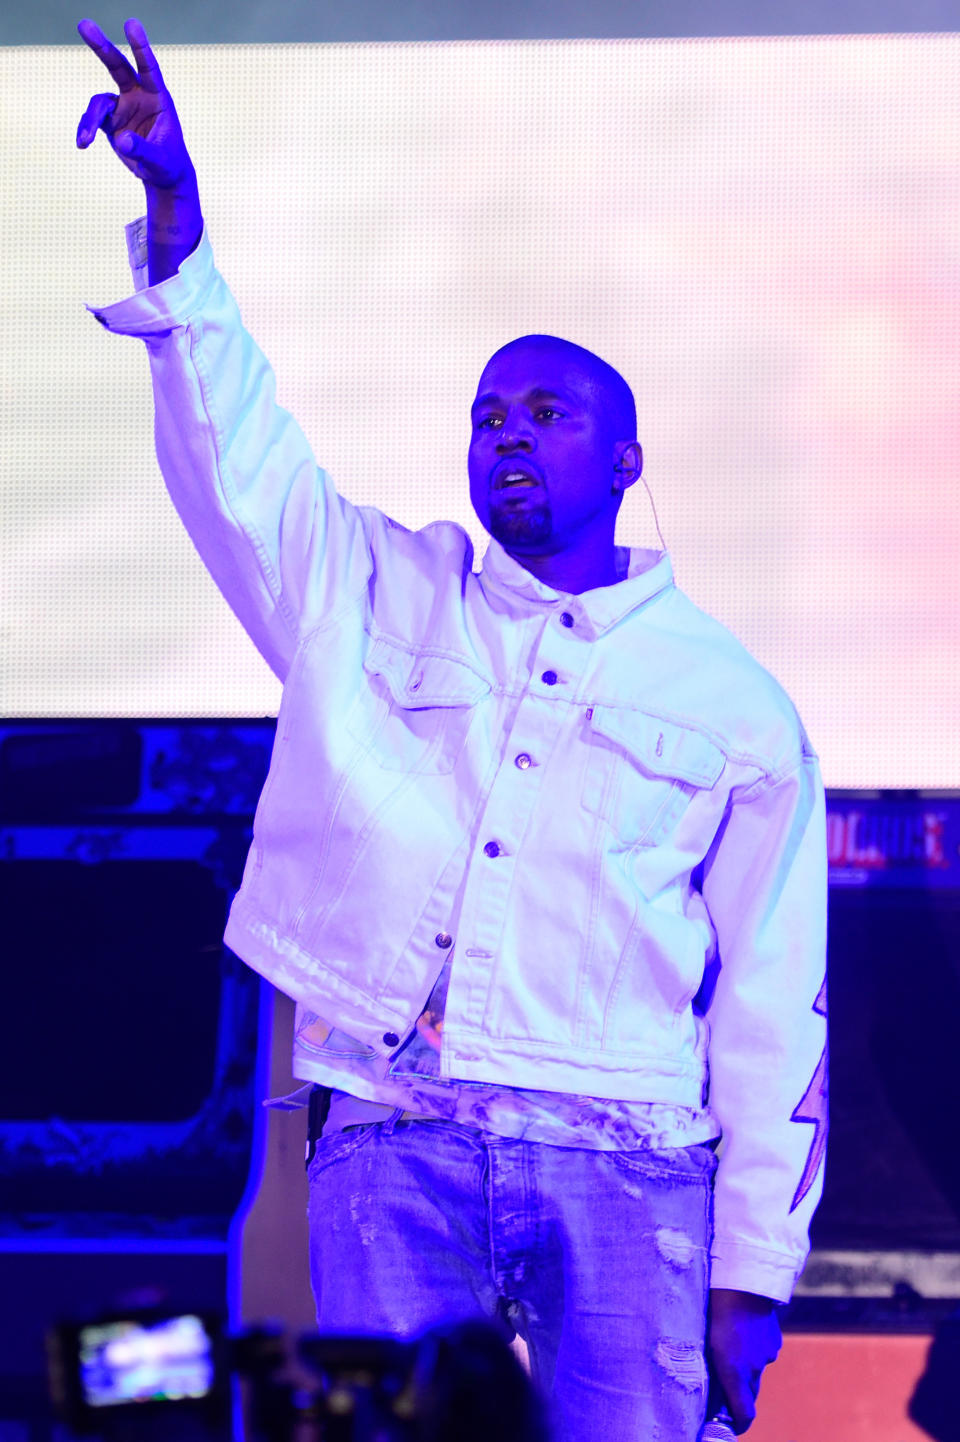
point(761, 234)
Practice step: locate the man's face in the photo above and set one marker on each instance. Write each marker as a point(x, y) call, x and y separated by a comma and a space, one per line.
point(542, 451)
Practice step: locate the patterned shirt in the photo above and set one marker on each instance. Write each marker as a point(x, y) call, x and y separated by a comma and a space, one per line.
point(413, 1083)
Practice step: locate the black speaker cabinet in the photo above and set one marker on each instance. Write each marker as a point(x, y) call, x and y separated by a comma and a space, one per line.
point(893, 1168)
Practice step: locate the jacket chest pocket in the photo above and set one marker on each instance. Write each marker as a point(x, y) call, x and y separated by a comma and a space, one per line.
point(642, 771)
point(416, 710)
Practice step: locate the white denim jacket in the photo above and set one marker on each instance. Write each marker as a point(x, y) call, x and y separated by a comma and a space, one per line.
point(608, 806)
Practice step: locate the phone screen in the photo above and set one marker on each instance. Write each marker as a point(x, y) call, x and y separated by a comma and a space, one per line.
point(126, 1361)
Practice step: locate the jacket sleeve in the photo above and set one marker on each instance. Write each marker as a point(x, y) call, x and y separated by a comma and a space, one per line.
point(284, 548)
point(764, 883)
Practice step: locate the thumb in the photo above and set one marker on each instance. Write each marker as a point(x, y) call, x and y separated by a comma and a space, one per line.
point(148, 161)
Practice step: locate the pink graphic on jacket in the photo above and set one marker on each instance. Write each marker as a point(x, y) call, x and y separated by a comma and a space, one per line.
point(812, 1107)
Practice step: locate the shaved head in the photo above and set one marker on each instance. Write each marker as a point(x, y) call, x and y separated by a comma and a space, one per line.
point(609, 386)
point(553, 447)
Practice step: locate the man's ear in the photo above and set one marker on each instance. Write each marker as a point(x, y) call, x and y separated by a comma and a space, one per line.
point(628, 464)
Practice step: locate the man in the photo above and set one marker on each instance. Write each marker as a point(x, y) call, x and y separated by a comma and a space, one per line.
point(540, 857)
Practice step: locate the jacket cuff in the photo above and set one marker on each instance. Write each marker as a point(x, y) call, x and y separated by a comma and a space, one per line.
point(747, 1268)
point(153, 309)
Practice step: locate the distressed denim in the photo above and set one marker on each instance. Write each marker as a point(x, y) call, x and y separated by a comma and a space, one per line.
point(597, 1259)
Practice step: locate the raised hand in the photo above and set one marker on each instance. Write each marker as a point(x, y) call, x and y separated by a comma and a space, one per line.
point(143, 128)
point(141, 122)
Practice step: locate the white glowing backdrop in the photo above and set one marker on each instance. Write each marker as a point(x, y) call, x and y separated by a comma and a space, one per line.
point(761, 234)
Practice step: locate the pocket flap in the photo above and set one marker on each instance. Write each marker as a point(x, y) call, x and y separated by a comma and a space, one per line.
point(417, 680)
point(660, 747)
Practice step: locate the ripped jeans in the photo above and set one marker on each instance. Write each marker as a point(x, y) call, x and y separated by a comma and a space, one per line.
point(597, 1259)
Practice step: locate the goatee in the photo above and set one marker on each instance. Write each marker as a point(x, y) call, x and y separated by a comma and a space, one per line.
point(521, 525)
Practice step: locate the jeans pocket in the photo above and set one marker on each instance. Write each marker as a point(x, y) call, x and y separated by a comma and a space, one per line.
point(337, 1147)
point(694, 1165)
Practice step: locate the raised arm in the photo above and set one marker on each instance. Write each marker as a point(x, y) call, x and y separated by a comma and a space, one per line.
point(142, 126)
point(286, 550)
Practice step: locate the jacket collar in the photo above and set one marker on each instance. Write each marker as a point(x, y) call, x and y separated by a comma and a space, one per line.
point(509, 585)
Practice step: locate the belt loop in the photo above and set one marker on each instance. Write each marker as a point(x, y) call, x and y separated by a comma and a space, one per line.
point(318, 1107)
point(391, 1122)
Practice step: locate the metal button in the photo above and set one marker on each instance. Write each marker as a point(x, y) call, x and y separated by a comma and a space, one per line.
point(523, 761)
point(390, 1038)
point(443, 939)
point(565, 618)
point(492, 848)
point(549, 678)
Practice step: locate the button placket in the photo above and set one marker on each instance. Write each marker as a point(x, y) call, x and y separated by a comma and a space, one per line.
point(537, 725)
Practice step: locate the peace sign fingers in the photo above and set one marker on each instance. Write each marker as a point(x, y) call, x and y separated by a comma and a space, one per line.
point(147, 68)
point(147, 74)
point(141, 123)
